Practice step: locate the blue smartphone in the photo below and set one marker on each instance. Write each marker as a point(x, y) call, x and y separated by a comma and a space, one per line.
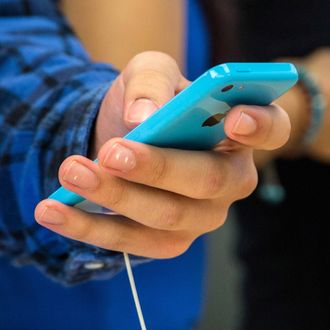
point(193, 119)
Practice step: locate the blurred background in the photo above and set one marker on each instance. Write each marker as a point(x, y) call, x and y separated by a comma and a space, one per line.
point(223, 308)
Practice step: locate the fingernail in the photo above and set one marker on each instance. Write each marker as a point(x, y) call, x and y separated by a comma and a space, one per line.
point(120, 158)
point(51, 216)
point(80, 176)
point(140, 110)
point(245, 125)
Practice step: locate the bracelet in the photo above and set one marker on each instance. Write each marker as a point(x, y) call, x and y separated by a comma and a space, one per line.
point(317, 104)
point(272, 191)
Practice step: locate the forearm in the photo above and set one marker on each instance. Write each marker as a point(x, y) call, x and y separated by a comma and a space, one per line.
point(299, 105)
point(126, 28)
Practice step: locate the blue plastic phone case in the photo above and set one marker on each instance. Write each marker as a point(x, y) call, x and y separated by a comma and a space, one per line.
point(186, 121)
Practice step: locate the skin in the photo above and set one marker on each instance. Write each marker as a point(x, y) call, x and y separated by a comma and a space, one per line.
point(161, 206)
point(167, 198)
point(139, 22)
point(296, 104)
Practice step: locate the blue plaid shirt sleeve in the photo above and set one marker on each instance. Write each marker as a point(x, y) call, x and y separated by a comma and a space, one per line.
point(50, 92)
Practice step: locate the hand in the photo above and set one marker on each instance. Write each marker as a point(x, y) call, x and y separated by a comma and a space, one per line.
point(166, 197)
point(148, 81)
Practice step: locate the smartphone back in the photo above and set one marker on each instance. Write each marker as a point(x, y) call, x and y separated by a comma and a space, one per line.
point(194, 118)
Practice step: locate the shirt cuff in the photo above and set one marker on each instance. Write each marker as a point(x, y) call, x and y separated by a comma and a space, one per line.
point(83, 262)
point(92, 263)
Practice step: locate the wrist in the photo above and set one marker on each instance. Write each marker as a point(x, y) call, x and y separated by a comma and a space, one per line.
point(295, 103)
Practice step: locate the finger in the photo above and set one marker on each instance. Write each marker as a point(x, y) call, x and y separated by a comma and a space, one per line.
point(152, 207)
point(150, 79)
point(196, 174)
point(258, 127)
point(114, 233)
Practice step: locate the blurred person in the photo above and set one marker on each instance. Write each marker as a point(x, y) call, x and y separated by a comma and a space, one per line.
point(283, 241)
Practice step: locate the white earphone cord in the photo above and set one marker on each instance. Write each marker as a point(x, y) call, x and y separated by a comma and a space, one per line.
point(134, 291)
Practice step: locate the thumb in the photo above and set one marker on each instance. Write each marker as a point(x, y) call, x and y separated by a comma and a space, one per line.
point(150, 79)
point(266, 127)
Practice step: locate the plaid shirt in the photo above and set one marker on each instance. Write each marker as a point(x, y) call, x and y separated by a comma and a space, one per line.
point(50, 92)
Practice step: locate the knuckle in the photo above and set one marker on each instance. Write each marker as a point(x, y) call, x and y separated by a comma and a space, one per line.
point(153, 83)
point(159, 169)
point(174, 247)
point(116, 194)
point(212, 181)
point(83, 232)
point(116, 242)
point(171, 216)
point(249, 183)
point(217, 219)
point(147, 78)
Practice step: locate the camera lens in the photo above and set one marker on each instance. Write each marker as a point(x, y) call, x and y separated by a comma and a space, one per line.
point(227, 88)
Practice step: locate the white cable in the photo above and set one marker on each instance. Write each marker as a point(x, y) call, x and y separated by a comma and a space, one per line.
point(134, 291)
point(91, 207)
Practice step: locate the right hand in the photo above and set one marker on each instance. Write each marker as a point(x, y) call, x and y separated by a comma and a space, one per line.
point(166, 197)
